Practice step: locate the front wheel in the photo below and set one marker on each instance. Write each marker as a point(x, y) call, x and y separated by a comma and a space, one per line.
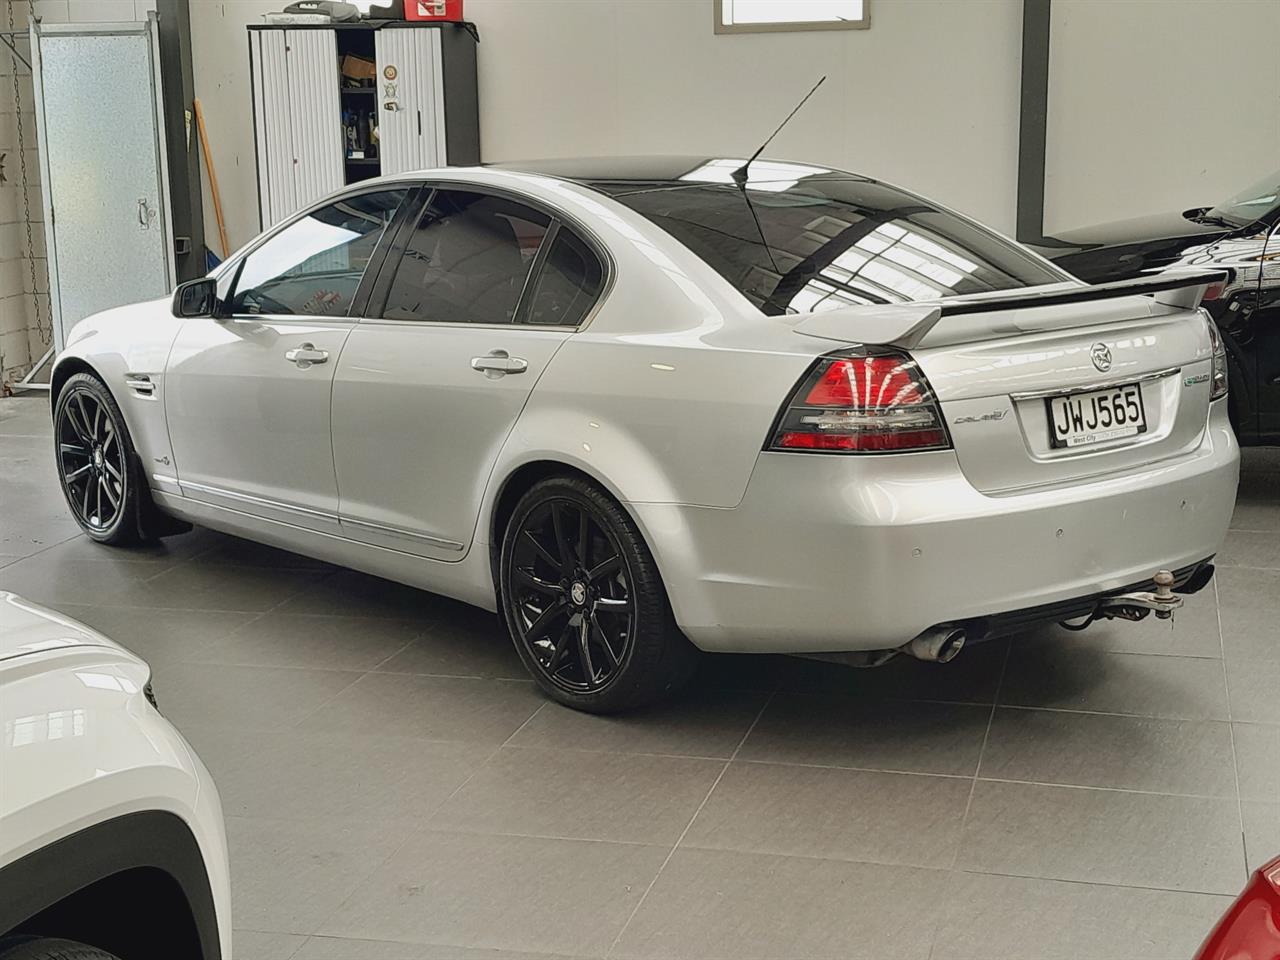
point(96, 461)
point(584, 602)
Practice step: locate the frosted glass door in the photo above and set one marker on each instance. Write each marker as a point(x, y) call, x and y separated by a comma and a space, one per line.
point(103, 170)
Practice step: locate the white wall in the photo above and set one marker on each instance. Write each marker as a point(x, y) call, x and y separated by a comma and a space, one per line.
point(928, 97)
point(1159, 106)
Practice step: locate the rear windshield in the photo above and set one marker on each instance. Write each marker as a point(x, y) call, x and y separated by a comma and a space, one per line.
point(832, 240)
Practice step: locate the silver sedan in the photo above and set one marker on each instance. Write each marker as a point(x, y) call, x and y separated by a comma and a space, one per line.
point(646, 406)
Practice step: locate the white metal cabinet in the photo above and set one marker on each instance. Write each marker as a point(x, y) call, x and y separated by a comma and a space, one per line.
point(297, 119)
point(424, 100)
point(410, 100)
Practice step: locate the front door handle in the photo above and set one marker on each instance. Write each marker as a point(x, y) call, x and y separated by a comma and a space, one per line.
point(498, 363)
point(306, 354)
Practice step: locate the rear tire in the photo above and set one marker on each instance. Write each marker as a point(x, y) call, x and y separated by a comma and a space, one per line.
point(584, 602)
point(97, 465)
point(39, 948)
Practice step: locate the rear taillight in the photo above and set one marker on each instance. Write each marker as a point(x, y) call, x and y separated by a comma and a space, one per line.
point(1219, 387)
point(869, 403)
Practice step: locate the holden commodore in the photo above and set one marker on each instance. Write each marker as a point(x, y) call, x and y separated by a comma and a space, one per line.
point(644, 406)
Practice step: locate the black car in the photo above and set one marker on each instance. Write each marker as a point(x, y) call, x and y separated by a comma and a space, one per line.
point(1243, 235)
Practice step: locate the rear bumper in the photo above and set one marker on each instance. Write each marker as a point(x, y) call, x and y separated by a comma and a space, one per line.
point(832, 554)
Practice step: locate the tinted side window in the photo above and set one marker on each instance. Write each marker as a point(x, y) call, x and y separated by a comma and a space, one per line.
point(467, 260)
point(569, 283)
point(313, 266)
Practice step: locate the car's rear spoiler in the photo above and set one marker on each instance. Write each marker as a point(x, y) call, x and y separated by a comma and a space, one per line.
point(906, 324)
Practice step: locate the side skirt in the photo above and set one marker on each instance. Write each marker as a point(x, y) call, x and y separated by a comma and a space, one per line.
point(467, 579)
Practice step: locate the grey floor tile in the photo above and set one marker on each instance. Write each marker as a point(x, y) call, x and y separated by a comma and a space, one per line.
point(712, 904)
point(253, 945)
point(1258, 761)
point(584, 796)
point(211, 694)
point(340, 948)
point(1103, 836)
point(1261, 832)
point(1177, 688)
point(837, 814)
point(160, 636)
point(1263, 515)
point(461, 643)
point(348, 593)
point(28, 538)
point(332, 643)
point(51, 579)
point(1255, 689)
point(707, 723)
point(506, 893)
point(48, 577)
point(889, 735)
point(362, 777)
point(288, 875)
point(1094, 750)
point(1014, 918)
point(1250, 548)
point(1250, 622)
point(214, 586)
point(162, 553)
point(435, 708)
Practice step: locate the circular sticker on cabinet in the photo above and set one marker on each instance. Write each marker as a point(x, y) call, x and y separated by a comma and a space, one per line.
point(389, 71)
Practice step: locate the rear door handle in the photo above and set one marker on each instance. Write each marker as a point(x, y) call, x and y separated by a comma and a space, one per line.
point(306, 354)
point(498, 362)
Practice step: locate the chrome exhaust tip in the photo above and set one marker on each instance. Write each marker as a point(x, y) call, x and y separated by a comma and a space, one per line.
point(939, 644)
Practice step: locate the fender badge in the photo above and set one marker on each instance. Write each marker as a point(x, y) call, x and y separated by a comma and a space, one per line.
point(1192, 381)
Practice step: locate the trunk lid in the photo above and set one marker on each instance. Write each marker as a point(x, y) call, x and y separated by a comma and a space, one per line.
point(998, 396)
point(1006, 367)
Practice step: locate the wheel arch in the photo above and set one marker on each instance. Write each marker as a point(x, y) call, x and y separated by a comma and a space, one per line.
point(64, 370)
point(93, 885)
point(518, 481)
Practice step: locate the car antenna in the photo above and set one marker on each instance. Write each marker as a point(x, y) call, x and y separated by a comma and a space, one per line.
point(741, 175)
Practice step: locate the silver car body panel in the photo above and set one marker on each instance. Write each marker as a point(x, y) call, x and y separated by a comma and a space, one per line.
point(666, 397)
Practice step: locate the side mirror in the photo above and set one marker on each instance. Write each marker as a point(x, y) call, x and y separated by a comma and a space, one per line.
point(196, 298)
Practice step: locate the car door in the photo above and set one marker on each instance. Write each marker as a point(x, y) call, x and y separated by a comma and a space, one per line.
point(247, 394)
point(478, 293)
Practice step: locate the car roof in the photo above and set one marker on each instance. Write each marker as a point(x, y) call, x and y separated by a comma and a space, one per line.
point(617, 175)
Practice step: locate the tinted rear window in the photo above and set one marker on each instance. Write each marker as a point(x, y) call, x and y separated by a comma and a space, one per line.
point(832, 241)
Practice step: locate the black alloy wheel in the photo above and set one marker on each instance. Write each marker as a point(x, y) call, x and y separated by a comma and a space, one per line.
point(584, 602)
point(94, 457)
point(572, 597)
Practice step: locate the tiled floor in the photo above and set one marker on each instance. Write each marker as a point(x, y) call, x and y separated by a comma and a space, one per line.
point(396, 789)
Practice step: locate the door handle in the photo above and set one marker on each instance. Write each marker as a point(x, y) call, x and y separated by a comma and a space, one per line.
point(498, 363)
point(306, 354)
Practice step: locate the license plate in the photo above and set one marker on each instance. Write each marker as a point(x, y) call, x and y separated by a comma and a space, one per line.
point(1081, 419)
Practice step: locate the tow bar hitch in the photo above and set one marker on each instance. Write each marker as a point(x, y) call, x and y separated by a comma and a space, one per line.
point(1134, 606)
